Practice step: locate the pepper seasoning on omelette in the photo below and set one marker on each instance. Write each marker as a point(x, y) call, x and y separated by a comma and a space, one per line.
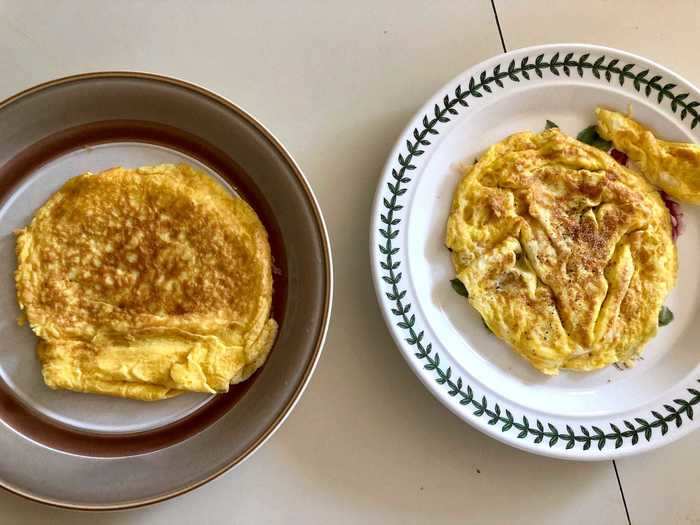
point(566, 254)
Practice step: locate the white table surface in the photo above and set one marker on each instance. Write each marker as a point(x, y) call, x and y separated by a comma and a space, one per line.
point(336, 82)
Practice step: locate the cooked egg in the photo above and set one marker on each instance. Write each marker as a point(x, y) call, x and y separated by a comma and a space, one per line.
point(672, 166)
point(566, 254)
point(146, 283)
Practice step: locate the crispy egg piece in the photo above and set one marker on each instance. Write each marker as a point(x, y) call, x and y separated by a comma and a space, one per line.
point(566, 254)
point(146, 283)
point(672, 166)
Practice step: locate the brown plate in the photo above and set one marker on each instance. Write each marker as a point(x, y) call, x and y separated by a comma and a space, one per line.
point(120, 453)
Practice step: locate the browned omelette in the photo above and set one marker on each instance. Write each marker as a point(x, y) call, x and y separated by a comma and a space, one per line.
point(145, 283)
point(566, 254)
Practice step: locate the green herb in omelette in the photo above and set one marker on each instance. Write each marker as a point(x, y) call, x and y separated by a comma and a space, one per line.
point(549, 125)
point(458, 286)
point(590, 136)
point(665, 316)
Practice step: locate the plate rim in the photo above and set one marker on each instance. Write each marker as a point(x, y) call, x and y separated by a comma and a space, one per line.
point(435, 385)
point(319, 343)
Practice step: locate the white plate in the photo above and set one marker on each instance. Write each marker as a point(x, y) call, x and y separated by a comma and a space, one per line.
point(599, 415)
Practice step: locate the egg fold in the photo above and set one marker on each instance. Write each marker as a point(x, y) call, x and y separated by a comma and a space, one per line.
point(566, 254)
point(145, 283)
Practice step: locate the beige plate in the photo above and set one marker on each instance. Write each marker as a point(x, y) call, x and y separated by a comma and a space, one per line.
point(120, 453)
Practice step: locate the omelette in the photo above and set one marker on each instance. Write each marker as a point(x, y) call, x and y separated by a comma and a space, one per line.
point(145, 283)
point(566, 254)
point(672, 166)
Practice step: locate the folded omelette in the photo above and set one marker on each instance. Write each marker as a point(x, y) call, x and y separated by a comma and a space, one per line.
point(146, 283)
point(674, 167)
point(566, 254)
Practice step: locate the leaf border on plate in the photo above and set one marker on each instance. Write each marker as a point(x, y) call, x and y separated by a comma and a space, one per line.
point(540, 433)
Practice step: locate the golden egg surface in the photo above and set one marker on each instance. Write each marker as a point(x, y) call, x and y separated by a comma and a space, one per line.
point(146, 283)
point(566, 255)
point(673, 167)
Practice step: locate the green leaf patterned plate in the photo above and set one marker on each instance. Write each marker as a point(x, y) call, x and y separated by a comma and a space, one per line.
point(594, 416)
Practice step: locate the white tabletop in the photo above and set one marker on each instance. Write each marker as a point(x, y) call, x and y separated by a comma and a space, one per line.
point(336, 82)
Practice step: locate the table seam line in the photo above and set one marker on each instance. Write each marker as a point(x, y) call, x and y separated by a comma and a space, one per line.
point(622, 492)
point(498, 25)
